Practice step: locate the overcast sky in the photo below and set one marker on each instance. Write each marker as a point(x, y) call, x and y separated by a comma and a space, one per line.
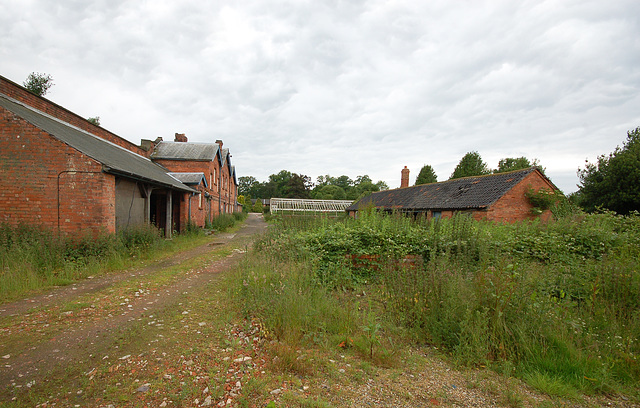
point(344, 87)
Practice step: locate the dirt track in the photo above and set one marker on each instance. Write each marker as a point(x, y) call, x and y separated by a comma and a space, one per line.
point(42, 351)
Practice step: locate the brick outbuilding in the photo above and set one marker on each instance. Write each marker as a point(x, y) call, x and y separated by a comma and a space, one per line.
point(496, 197)
point(218, 194)
point(62, 172)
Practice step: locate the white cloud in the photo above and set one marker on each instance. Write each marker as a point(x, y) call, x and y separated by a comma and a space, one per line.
point(344, 87)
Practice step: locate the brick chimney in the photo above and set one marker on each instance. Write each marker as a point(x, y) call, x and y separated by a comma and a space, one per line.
point(219, 142)
point(180, 137)
point(404, 181)
point(148, 145)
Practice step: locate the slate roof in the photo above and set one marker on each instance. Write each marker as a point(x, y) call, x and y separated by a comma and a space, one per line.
point(190, 178)
point(115, 159)
point(186, 151)
point(477, 192)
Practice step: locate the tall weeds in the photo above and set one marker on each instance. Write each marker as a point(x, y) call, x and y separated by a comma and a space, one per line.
point(32, 257)
point(559, 302)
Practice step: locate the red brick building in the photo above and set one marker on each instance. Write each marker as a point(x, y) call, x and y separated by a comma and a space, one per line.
point(60, 171)
point(496, 197)
point(218, 188)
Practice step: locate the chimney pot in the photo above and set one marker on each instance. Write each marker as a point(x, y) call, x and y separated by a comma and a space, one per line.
point(181, 137)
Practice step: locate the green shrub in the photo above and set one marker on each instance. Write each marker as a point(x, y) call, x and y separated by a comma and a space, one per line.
point(139, 238)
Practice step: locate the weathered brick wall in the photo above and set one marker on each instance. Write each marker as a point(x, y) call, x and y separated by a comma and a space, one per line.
point(200, 208)
point(514, 206)
point(17, 92)
point(46, 182)
point(229, 191)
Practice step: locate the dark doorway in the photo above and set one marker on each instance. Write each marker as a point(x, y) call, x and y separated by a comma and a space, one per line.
point(175, 216)
point(158, 209)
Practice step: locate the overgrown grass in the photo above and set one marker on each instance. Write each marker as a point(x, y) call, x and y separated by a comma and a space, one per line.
point(559, 303)
point(226, 221)
point(32, 258)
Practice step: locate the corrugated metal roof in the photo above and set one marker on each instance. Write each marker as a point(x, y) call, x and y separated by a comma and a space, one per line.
point(185, 151)
point(459, 194)
point(116, 159)
point(190, 178)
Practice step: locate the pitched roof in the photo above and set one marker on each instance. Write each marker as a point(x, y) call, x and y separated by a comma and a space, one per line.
point(476, 192)
point(190, 178)
point(116, 159)
point(186, 151)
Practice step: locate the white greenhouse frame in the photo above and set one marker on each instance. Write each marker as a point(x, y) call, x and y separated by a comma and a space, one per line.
point(297, 206)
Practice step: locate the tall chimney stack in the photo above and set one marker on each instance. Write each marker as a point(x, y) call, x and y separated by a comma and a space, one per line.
point(404, 181)
point(181, 137)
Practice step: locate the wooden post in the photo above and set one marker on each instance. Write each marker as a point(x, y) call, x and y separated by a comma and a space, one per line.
point(146, 189)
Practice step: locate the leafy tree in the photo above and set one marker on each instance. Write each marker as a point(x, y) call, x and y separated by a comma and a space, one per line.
point(426, 176)
point(514, 163)
point(298, 186)
point(325, 180)
point(329, 192)
point(248, 185)
point(276, 185)
point(344, 181)
point(38, 83)
point(246, 203)
point(348, 189)
point(613, 182)
point(471, 164)
point(362, 179)
point(382, 185)
point(95, 120)
point(365, 186)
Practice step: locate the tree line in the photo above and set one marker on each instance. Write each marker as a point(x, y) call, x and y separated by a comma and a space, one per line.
point(472, 164)
point(286, 184)
point(611, 183)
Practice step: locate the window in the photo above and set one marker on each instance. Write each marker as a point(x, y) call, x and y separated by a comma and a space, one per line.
point(436, 215)
point(200, 200)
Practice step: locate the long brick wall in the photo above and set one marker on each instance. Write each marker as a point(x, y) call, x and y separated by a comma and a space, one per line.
point(45, 182)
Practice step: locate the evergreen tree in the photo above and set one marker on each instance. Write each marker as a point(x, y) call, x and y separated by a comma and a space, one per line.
point(426, 176)
point(258, 207)
point(471, 164)
point(515, 163)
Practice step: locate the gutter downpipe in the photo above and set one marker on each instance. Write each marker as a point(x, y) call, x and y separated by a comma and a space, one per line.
point(220, 191)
